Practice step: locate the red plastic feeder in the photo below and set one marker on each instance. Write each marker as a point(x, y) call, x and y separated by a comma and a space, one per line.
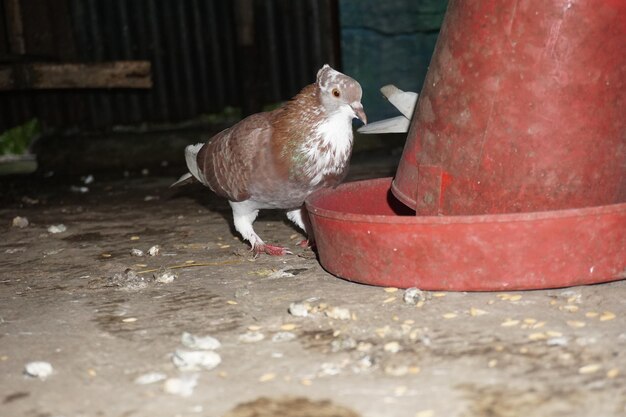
point(515, 162)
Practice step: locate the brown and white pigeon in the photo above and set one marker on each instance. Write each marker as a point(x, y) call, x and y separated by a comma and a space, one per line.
point(274, 160)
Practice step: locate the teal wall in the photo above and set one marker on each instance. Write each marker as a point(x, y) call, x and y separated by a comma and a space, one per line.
point(388, 42)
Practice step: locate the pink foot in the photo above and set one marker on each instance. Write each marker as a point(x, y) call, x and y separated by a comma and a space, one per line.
point(307, 243)
point(271, 250)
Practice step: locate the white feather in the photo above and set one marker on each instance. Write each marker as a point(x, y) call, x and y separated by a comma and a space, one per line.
point(402, 100)
point(399, 124)
point(335, 135)
point(191, 154)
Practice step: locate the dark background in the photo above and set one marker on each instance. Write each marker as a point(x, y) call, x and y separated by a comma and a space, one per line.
point(212, 62)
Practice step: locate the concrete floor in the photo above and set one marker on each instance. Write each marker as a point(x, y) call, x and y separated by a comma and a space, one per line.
point(68, 299)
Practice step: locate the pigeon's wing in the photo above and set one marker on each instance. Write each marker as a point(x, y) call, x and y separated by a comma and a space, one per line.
point(398, 124)
point(226, 163)
point(402, 100)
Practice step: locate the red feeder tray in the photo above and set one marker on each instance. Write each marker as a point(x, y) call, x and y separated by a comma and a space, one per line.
point(364, 234)
point(515, 161)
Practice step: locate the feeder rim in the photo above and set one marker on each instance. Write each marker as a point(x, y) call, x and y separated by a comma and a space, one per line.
point(455, 219)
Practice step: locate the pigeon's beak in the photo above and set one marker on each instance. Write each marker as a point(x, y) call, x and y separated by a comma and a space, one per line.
point(359, 112)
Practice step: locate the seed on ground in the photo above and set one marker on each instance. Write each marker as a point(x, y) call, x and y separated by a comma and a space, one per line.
point(474, 312)
point(448, 315)
point(607, 315)
point(392, 347)
point(589, 369)
point(267, 377)
point(509, 323)
point(391, 289)
point(612, 373)
point(576, 324)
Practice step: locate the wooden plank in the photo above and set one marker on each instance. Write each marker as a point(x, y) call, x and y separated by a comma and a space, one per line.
point(45, 76)
point(15, 26)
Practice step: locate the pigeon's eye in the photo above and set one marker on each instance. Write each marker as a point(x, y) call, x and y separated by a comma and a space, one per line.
point(336, 92)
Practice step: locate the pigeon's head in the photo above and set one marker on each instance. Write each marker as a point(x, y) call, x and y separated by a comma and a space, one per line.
point(340, 93)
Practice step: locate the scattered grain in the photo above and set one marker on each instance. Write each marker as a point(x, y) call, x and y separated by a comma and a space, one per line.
point(392, 347)
point(251, 337)
point(475, 312)
point(267, 377)
point(589, 369)
point(509, 323)
point(607, 315)
point(338, 313)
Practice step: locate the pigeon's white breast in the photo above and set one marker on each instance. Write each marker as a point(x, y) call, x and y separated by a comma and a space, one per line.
point(329, 153)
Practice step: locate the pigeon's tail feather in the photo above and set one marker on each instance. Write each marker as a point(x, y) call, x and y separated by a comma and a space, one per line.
point(183, 180)
point(191, 157)
point(191, 154)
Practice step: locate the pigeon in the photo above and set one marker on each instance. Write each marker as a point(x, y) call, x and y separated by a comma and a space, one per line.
point(274, 160)
point(404, 101)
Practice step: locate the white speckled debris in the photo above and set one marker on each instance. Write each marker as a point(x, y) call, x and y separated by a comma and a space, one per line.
point(136, 252)
point(251, 337)
point(79, 189)
point(414, 295)
point(195, 360)
point(20, 222)
point(87, 179)
point(57, 228)
point(165, 276)
point(182, 386)
point(283, 337)
point(392, 347)
point(299, 309)
point(329, 368)
point(557, 341)
point(150, 378)
point(154, 250)
point(281, 273)
point(129, 280)
point(338, 313)
point(197, 342)
point(38, 369)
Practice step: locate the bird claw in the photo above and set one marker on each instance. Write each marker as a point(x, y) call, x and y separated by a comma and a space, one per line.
point(271, 250)
point(307, 243)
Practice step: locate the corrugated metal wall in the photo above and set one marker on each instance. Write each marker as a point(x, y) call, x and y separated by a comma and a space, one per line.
point(196, 62)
